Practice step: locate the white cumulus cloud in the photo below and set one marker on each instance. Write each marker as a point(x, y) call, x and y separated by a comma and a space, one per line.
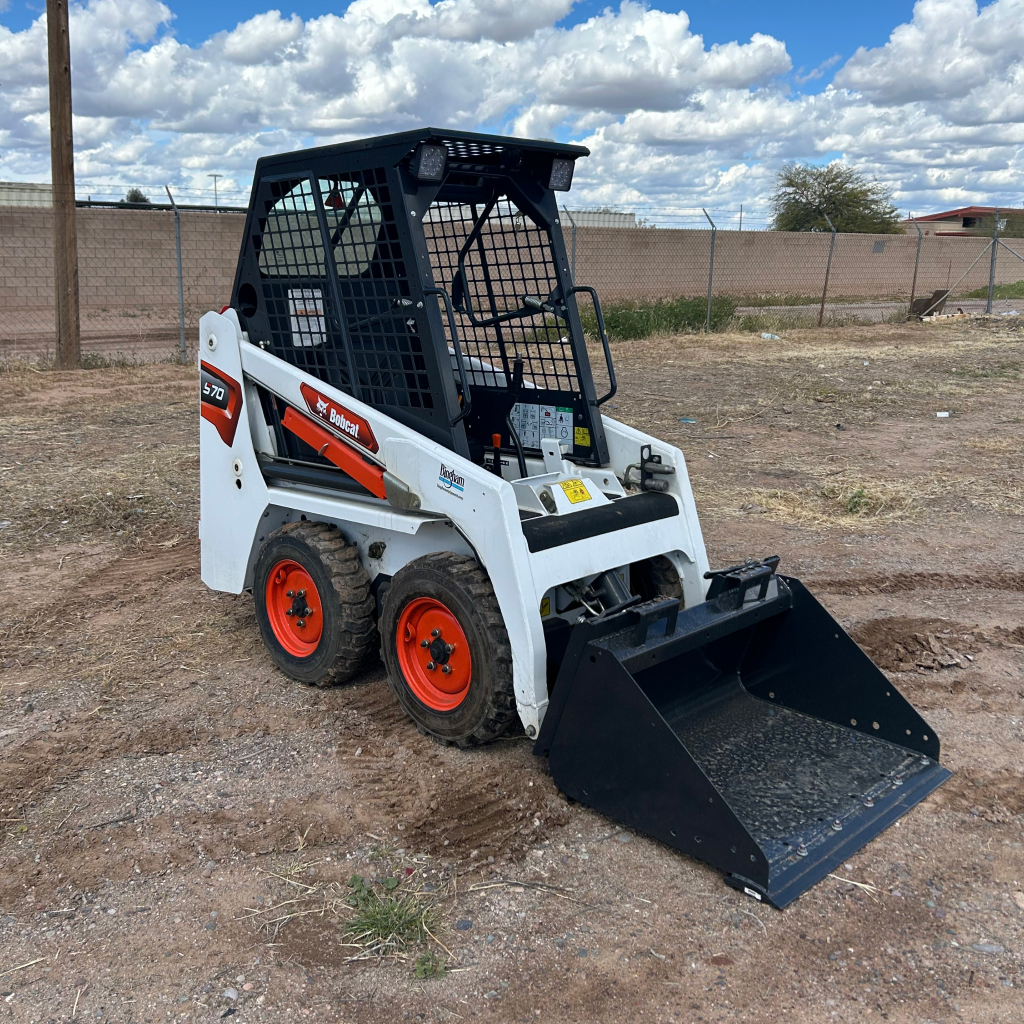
point(937, 112)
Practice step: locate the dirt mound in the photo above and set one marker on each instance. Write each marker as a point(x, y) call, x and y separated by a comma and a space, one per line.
point(901, 644)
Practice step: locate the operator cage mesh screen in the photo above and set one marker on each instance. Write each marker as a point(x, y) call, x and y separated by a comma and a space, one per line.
point(510, 257)
point(362, 282)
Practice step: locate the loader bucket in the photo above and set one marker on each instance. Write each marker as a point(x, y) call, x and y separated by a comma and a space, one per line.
point(749, 731)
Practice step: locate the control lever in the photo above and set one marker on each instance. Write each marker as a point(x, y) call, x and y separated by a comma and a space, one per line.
point(513, 391)
point(496, 445)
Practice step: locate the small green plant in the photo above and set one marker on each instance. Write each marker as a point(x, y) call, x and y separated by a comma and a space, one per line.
point(430, 965)
point(386, 921)
point(858, 502)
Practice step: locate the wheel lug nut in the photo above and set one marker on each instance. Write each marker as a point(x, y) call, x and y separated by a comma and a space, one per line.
point(288, 611)
point(431, 666)
point(302, 622)
point(435, 632)
point(446, 669)
point(424, 643)
point(449, 648)
point(302, 593)
point(289, 593)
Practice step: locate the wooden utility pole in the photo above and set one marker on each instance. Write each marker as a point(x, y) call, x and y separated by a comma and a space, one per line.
point(62, 166)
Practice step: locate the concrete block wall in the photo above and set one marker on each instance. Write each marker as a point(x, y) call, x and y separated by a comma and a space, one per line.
point(128, 277)
point(663, 263)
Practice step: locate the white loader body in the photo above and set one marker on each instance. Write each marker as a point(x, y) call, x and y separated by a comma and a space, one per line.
point(462, 507)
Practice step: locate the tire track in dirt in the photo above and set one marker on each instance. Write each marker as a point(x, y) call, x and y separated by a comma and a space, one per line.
point(134, 575)
point(494, 801)
point(491, 813)
point(903, 582)
point(122, 581)
point(373, 704)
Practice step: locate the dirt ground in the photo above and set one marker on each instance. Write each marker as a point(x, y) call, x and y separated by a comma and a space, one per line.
point(181, 823)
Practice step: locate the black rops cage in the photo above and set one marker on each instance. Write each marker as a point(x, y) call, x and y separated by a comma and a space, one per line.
point(425, 274)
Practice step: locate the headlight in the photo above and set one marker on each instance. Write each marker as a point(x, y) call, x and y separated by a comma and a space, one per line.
point(428, 163)
point(561, 175)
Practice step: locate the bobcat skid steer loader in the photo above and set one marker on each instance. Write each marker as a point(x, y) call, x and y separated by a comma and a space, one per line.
point(402, 447)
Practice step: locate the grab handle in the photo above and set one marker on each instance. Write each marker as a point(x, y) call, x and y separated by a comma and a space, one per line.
point(467, 398)
point(604, 338)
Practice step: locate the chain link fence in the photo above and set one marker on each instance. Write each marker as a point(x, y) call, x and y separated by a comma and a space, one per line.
point(135, 293)
point(772, 281)
point(128, 280)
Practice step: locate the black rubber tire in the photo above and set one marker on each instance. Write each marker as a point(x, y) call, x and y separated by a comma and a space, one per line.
point(461, 584)
point(655, 577)
point(348, 635)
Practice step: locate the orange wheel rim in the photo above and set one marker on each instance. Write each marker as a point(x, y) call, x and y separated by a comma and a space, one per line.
point(294, 608)
point(433, 653)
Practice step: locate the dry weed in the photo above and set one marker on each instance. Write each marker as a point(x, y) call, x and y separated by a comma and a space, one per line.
point(862, 502)
point(996, 445)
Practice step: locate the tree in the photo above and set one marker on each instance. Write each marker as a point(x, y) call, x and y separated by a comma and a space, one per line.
point(804, 194)
point(135, 195)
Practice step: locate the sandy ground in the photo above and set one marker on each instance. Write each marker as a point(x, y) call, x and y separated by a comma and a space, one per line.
point(181, 823)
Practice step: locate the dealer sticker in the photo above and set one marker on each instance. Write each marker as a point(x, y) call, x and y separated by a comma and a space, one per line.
point(575, 490)
point(451, 482)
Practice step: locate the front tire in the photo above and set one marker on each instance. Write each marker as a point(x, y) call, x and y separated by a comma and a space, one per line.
point(313, 603)
point(446, 650)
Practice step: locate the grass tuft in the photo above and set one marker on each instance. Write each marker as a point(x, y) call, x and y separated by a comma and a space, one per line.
point(386, 921)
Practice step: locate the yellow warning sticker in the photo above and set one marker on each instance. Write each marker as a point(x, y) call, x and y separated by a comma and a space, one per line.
point(582, 437)
point(545, 606)
point(575, 490)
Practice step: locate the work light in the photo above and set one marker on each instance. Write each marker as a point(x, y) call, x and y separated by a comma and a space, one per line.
point(428, 163)
point(561, 175)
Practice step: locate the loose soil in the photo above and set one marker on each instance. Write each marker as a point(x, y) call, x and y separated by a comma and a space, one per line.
point(181, 823)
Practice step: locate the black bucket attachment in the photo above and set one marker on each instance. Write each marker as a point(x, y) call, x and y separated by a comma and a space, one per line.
point(749, 731)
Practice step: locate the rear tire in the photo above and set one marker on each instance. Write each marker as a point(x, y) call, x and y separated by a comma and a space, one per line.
point(434, 603)
point(654, 578)
point(313, 603)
